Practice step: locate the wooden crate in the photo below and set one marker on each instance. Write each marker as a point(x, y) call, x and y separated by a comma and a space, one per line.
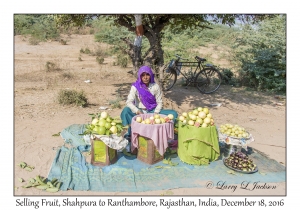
point(101, 154)
point(147, 151)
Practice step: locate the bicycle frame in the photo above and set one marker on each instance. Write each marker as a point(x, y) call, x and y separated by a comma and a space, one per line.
point(177, 65)
point(204, 76)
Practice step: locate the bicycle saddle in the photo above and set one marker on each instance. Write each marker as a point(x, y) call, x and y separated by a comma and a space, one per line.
point(200, 59)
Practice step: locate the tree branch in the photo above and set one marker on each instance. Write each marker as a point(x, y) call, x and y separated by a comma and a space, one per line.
point(125, 21)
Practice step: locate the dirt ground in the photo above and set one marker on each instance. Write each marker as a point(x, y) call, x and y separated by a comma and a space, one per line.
point(38, 115)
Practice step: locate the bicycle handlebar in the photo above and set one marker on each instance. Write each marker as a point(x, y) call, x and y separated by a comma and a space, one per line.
point(179, 57)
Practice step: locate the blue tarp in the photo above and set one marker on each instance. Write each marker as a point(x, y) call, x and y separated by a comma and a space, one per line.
point(129, 174)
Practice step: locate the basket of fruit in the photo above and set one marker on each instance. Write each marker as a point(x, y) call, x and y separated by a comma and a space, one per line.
point(240, 162)
point(235, 135)
point(105, 133)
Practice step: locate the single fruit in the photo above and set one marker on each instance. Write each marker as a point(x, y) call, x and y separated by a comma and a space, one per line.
point(113, 129)
point(209, 115)
point(199, 120)
point(197, 124)
point(104, 115)
point(156, 116)
point(170, 116)
point(191, 122)
point(107, 125)
point(166, 119)
point(108, 119)
point(205, 110)
point(95, 121)
point(147, 121)
point(195, 112)
point(202, 115)
point(102, 122)
point(206, 120)
point(204, 125)
point(193, 117)
point(139, 119)
point(181, 118)
point(100, 130)
point(184, 114)
point(157, 121)
point(199, 109)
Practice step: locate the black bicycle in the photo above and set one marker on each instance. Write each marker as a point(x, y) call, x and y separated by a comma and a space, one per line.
point(206, 77)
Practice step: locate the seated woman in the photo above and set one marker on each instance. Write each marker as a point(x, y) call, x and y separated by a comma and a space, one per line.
point(145, 97)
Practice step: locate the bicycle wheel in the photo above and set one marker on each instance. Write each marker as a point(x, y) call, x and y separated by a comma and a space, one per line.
point(170, 77)
point(208, 80)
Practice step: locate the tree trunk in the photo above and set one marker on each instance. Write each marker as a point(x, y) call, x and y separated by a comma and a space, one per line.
point(154, 56)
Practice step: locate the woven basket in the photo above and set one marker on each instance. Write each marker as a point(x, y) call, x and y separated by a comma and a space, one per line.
point(147, 151)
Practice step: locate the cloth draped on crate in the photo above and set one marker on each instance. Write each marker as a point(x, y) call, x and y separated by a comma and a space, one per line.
point(128, 174)
point(158, 133)
point(113, 141)
point(73, 134)
point(197, 146)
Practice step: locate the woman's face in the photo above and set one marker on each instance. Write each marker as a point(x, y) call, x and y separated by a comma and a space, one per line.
point(145, 78)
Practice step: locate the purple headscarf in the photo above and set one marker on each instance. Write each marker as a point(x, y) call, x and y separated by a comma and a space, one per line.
point(145, 95)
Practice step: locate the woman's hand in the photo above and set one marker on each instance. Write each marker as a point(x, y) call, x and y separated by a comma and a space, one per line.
point(139, 112)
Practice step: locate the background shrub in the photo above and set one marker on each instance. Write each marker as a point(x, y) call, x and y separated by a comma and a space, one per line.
point(261, 52)
point(67, 97)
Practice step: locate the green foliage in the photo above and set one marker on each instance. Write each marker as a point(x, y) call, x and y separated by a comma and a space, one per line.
point(52, 66)
point(67, 97)
point(72, 20)
point(261, 52)
point(115, 104)
point(33, 41)
point(184, 42)
point(39, 27)
point(100, 60)
point(85, 51)
point(63, 42)
point(122, 60)
point(67, 75)
point(227, 76)
point(109, 33)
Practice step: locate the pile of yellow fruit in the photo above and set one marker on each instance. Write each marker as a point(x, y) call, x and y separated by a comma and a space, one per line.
point(155, 119)
point(199, 117)
point(103, 124)
point(234, 131)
